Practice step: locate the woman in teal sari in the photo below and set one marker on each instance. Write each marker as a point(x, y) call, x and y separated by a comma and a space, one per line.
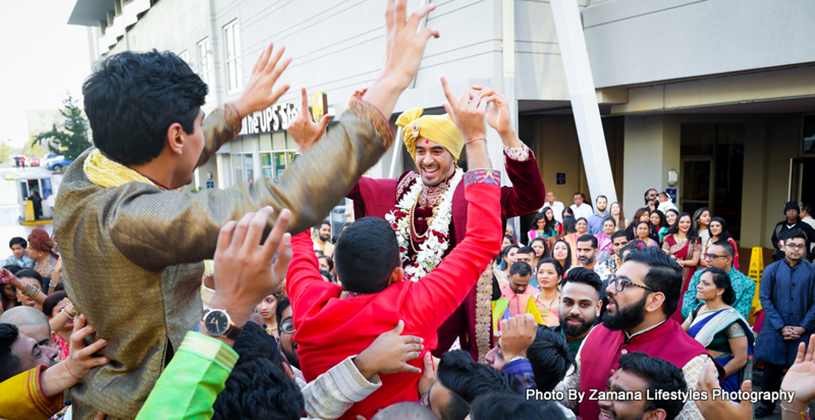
point(721, 329)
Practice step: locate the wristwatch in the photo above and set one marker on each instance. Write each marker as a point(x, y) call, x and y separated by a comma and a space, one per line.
point(217, 323)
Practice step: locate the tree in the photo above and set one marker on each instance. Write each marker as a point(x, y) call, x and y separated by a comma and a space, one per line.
point(5, 150)
point(74, 140)
point(33, 149)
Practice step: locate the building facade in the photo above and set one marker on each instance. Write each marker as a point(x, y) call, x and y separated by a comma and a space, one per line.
point(721, 93)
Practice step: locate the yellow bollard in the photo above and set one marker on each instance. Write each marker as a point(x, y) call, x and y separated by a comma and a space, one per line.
point(756, 270)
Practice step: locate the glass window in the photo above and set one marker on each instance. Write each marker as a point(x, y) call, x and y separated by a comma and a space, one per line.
point(46, 188)
point(279, 164)
point(809, 135)
point(237, 170)
point(205, 65)
point(233, 62)
point(266, 165)
point(250, 167)
point(184, 55)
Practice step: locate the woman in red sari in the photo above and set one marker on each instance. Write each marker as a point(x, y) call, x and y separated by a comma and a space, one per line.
point(683, 245)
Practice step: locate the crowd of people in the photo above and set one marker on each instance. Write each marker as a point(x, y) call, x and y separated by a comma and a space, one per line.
point(152, 303)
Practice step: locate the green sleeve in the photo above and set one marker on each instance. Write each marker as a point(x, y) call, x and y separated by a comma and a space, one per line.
point(189, 385)
point(689, 301)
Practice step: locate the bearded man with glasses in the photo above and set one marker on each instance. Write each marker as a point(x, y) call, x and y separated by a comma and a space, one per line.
point(642, 296)
point(720, 255)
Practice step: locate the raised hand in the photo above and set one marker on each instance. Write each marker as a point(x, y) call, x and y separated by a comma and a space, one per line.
point(357, 95)
point(405, 47)
point(721, 408)
point(260, 92)
point(81, 358)
point(389, 353)
point(517, 334)
point(469, 112)
point(303, 129)
point(498, 116)
point(800, 378)
point(244, 273)
point(428, 378)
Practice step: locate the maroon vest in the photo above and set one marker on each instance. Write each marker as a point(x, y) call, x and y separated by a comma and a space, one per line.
point(603, 347)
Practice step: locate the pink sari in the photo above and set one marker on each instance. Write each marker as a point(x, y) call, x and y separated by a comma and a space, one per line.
point(682, 251)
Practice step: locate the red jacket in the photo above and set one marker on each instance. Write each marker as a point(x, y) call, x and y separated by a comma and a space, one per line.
point(330, 329)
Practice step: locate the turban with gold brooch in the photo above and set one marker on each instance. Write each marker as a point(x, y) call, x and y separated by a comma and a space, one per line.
point(436, 128)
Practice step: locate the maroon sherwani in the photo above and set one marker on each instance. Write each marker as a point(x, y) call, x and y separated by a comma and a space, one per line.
point(472, 321)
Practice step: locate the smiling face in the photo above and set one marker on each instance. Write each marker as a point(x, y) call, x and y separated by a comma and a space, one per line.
point(547, 276)
point(27, 301)
point(645, 217)
point(511, 256)
point(541, 224)
point(715, 229)
point(642, 231)
point(581, 226)
point(670, 217)
point(655, 219)
point(684, 224)
point(434, 162)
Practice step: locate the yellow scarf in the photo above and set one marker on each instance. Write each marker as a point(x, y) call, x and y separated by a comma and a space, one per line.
point(104, 172)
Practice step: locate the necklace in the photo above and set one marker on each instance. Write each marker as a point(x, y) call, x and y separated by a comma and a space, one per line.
point(436, 239)
point(546, 309)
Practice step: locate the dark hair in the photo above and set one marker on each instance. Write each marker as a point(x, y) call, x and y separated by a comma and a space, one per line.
point(647, 224)
point(282, 304)
point(568, 263)
point(366, 255)
point(794, 233)
point(511, 239)
point(14, 269)
point(583, 275)
point(545, 246)
point(565, 210)
point(132, 99)
point(324, 222)
point(328, 260)
point(588, 238)
point(29, 273)
point(498, 406)
point(727, 246)
point(722, 281)
point(609, 218)
point(637, 216)
point(579, 193)
point(674, 211)
point(692, 233)
point(257, 389)
point(17, 241)
point(807, 208)
point(551, 224)
point(467, 380)
point(9, 363)
point(537, 217)
point(660, 375)
point(661, 215)
point(664, 275)
point(696, 215)
point(504, 252)
point(526, 250)
point(569, 225)
point(520, 268)
point(618, 234)
point(645, 196)
point(550, 358)
point(51, 302)
point(578, 220)
point(558, 267)
point(633, 246)
point(725, 235)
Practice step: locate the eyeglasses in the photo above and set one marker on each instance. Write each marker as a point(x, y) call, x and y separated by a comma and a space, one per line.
point(798, 247)
point(713, 256)
point(621, 283)
point(287, 326)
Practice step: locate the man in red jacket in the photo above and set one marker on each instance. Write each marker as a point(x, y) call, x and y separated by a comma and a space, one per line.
point(334, 322)
point(642, 296)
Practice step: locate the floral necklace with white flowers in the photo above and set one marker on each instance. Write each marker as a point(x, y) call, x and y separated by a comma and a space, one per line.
point(437, 238)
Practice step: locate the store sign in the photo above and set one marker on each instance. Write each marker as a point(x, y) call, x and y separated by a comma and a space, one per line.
point(273, 118)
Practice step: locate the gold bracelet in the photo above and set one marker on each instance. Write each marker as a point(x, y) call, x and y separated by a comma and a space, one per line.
point(30, 291)
point(69, 309)
point(475, 140)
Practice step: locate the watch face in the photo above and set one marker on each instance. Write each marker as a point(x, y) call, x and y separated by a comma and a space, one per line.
point(216, 323)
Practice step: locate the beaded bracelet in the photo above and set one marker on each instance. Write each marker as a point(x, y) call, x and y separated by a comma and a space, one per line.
point(71, 373)
point(804, 414)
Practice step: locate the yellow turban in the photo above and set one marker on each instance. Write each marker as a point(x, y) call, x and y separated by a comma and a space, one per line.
point(436, 128)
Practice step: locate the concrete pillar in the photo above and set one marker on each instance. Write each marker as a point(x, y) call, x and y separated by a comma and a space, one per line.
point(584, 99)
point(651, 149)
point(754, 188)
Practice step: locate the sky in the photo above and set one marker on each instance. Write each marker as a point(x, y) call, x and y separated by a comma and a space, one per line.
point(43, 57)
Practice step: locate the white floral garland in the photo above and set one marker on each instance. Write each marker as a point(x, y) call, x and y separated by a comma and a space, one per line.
point(438, 233)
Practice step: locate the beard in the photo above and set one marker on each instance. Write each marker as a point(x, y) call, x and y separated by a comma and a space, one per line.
point(585, 260)
point(576, 331)
point(324, 238)
point(291, 357)
point(625, 318)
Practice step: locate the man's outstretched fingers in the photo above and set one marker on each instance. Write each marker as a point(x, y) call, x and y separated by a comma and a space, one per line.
point(256, 227)
point(417, 16)
point(276, 236)
point(241, 228)
point(225, 235)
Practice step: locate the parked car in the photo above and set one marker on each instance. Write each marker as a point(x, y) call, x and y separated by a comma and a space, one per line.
point(57, 165)
point(35, 161)
point(50, 158)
